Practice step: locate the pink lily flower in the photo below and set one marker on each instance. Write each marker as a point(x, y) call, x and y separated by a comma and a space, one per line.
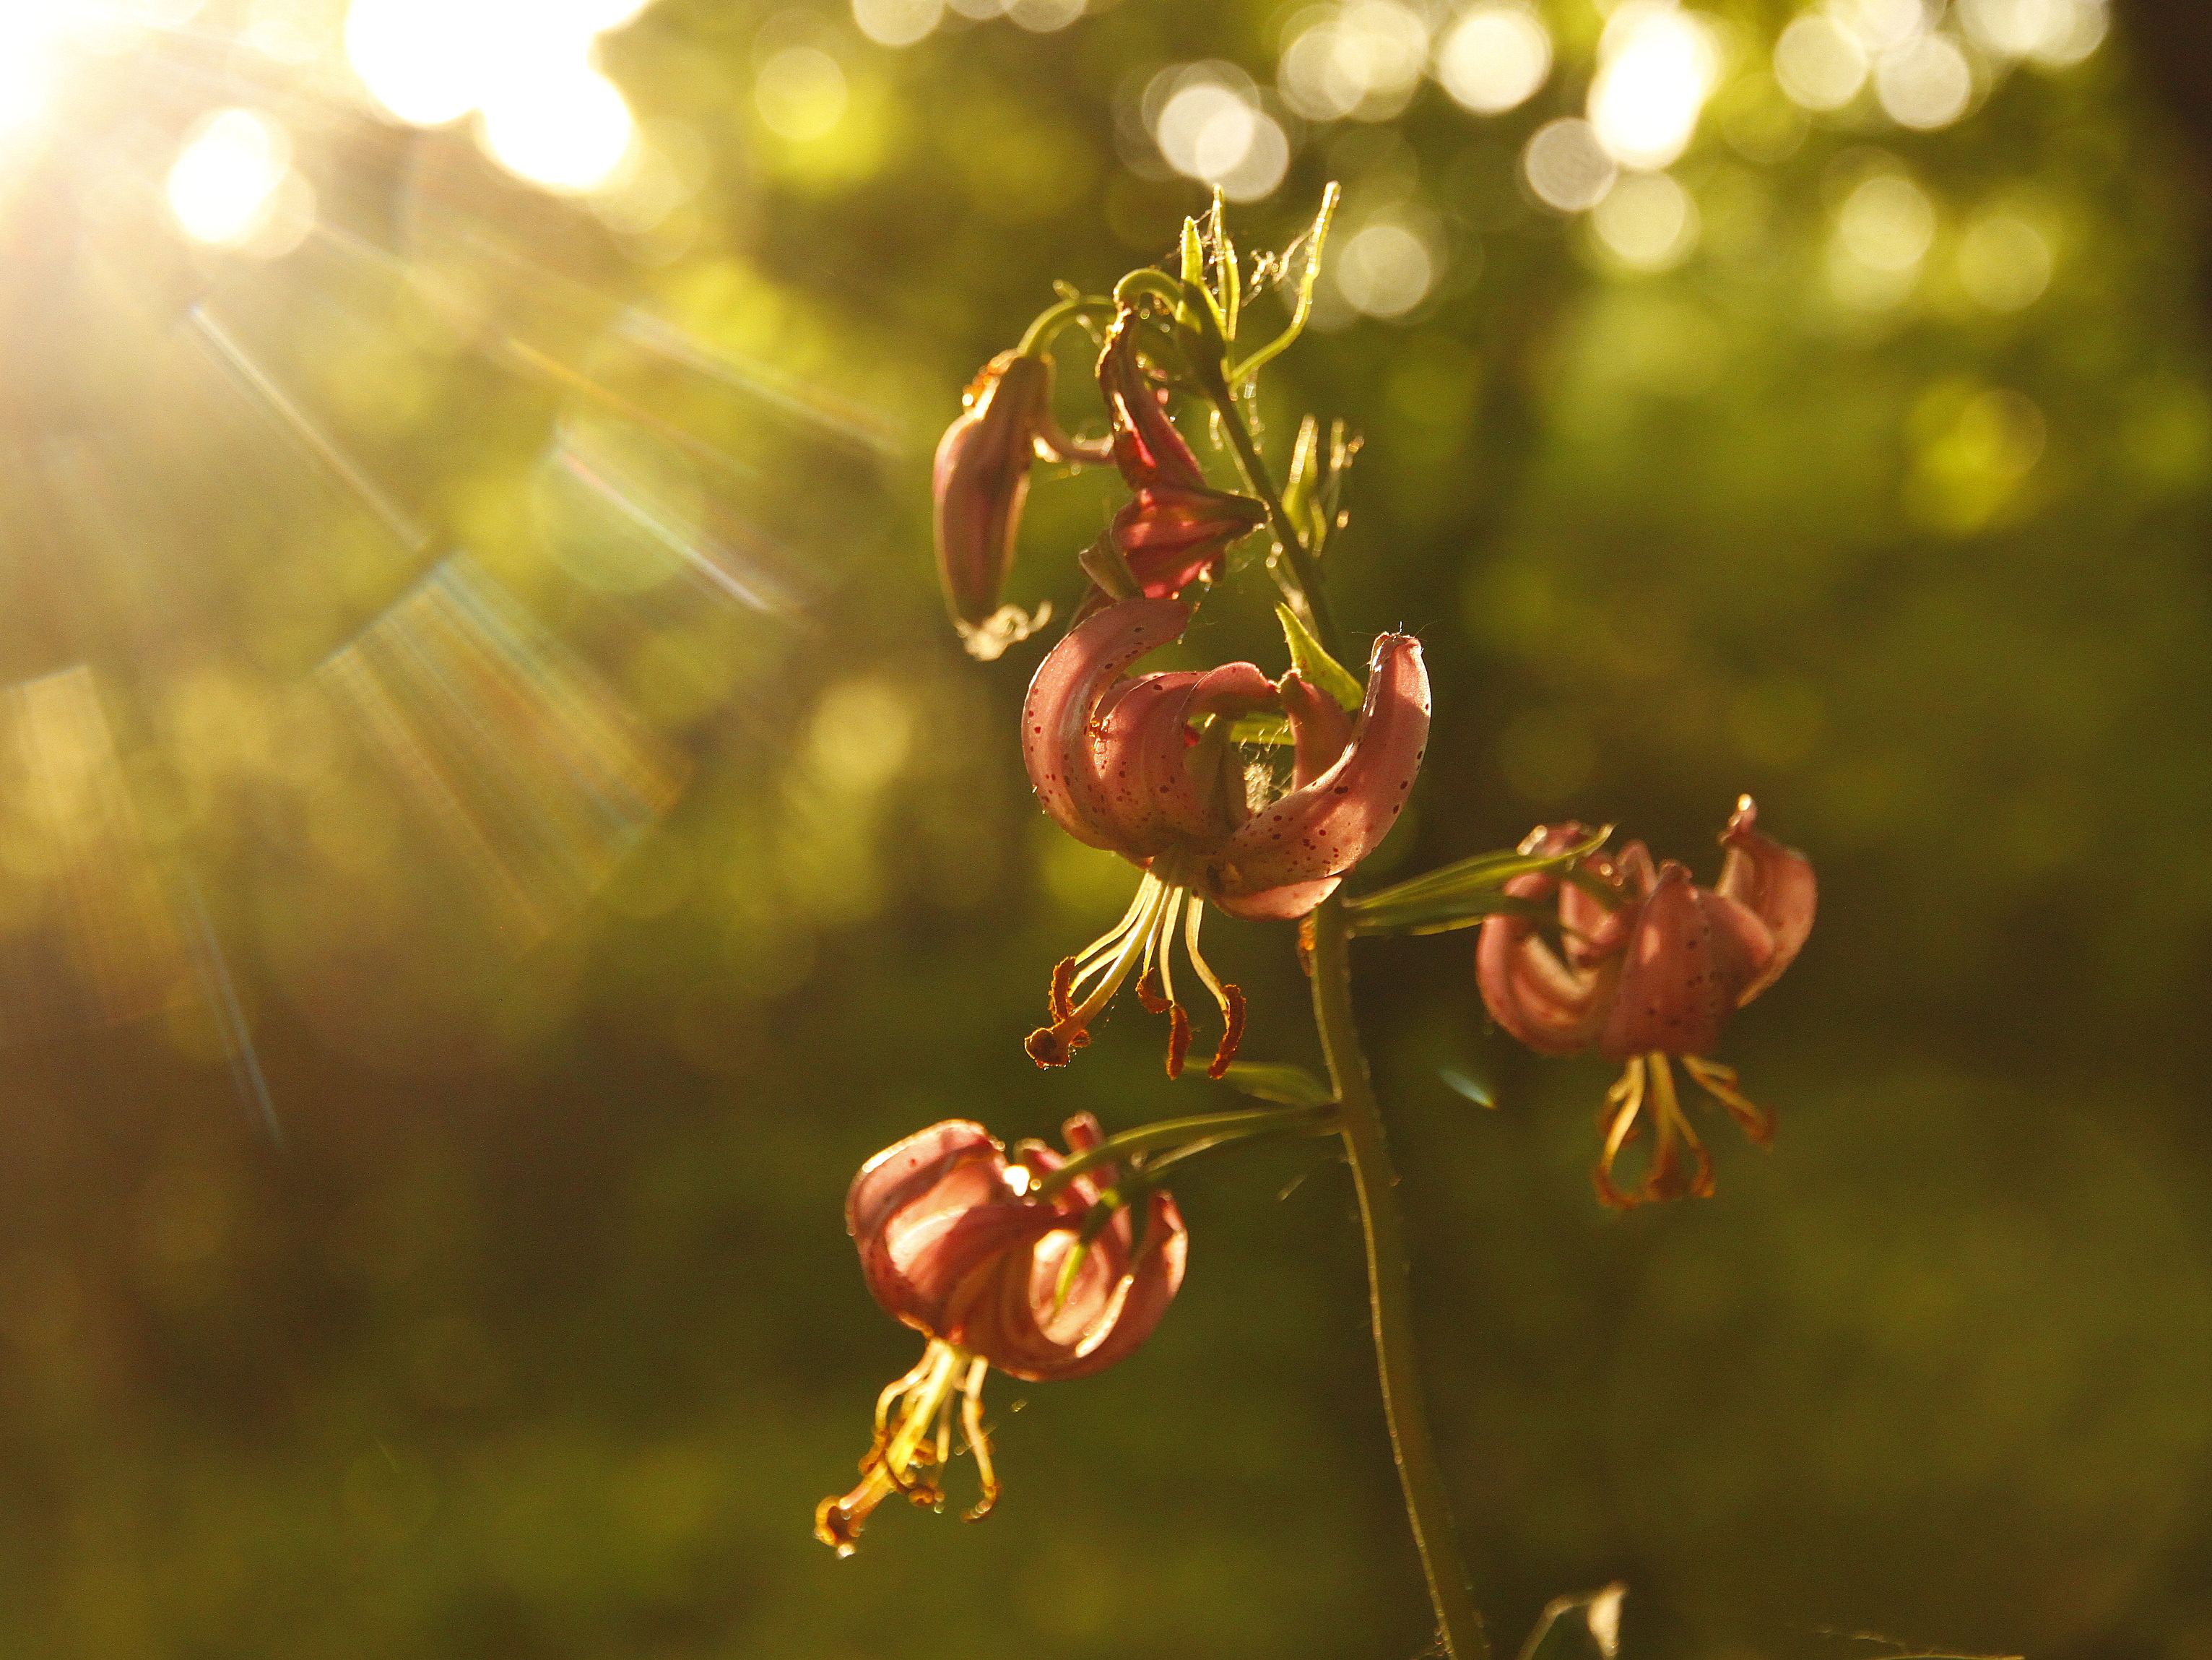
point(1147, 767)
point(981, 481)
point(952, 1243)
point(1650, 966)
point(1178, 527)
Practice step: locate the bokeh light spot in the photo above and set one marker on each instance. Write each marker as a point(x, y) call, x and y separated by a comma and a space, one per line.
point(898, 22)
point(2004, 262)
point(1362, 60)
point(1209, 130)
point(800, 94)
point(1495, 58)
point(1385, 269)
point(1819, 63)
point(225, 182)
point(1565, 166)
point(1648, 221)
point(1657, 66)
point(566, 131)
point(1926, 83)
point(1887, 222)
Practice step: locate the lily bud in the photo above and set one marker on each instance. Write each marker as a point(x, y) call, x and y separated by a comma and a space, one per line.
point(981, 480)
point(954, 1242)
point(1177, 527)
point(1649, 967)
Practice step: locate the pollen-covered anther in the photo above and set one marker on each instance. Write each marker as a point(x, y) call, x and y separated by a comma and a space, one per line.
point(1178, 1038)
point(1155, 1000)
point(1232, 1030)
point(1055, 1045)
point(1060, 999)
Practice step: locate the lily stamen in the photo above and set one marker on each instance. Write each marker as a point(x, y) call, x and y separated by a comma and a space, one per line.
point(908, 1459)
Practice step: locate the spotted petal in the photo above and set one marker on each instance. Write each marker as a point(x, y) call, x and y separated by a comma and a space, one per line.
point(1322, 829)
point(1060, 714)
point(1774, 883)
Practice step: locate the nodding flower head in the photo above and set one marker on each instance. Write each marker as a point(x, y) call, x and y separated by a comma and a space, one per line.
point(1148, 767)
point(957, 1241)
point(1177, 527)
point(981, 480)
point(1649, 966)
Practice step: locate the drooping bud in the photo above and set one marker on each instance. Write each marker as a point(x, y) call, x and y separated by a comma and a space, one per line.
point(981, 480)
point(1177, 526)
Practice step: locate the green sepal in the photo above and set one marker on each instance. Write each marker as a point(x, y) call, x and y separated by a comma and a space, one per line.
point(1460, 894)
point(1284, 1082)
point(1316, 665)
point(1584, 1628)
point(1104, 562)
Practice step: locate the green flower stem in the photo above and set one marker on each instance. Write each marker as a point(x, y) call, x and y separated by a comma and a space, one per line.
point(1050, 321)
point(1305, 588)
point(1367, 1148)
point(1428, 1505)
point(1212, 1127)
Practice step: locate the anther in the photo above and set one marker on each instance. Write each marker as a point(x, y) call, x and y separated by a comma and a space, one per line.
point(1149, 992)
point(1178, 1038)
point(1233, 1029)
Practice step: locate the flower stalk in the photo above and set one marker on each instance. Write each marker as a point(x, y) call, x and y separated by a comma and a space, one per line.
point(1367, 1150)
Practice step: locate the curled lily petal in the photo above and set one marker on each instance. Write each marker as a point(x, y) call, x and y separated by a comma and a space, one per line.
point(1775, 884)
point(1319, 727)
point(1063, 703)
point(1158, 780)
point(1679, 977)
point(1552, 1006)
point(1327, 825)
point(954, 1246)
point(1651, 967)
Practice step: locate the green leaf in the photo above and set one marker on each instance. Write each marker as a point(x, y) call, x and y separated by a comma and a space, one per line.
point(1313, 664)
point(1281, 1081)
point(1585, 1627)
point(1458, 895)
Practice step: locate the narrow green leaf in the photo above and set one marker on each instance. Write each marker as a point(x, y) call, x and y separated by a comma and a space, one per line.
point(1281, 1081)
point(1460, 894)
point(1316, 665)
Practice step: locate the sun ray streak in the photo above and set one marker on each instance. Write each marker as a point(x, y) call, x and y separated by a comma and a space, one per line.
point(263, 388)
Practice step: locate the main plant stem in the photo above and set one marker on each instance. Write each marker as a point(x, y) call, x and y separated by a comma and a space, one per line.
point(1367, 1148)
point(1390, 1293)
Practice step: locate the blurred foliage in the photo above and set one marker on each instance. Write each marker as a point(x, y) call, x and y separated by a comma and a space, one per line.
point(555, 747)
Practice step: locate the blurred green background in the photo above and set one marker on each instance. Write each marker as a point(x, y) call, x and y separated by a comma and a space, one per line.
point(477, 677)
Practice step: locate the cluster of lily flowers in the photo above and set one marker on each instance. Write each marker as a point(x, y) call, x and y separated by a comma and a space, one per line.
point(1049, 1266)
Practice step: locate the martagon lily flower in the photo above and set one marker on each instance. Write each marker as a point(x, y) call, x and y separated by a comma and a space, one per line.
point(1147, 767)
point(1176, 527)
point(1650, 966)
point(981, 479)
point(954, 1242)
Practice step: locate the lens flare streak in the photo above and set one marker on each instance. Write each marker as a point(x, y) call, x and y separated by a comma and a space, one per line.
point(262, 389)
point(87, 935)
point(531, 769)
